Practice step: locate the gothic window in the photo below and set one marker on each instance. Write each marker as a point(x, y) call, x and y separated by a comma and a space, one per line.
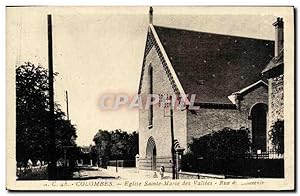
point(150, 92)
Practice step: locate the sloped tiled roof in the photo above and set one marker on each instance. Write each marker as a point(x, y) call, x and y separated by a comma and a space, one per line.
point(275, 62)
point(213, 65)
point(251, 87)
point(246, 90)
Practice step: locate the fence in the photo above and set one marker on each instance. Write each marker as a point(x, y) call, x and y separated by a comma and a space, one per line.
point(261, 155)
point(250, 155)
point(265, 164)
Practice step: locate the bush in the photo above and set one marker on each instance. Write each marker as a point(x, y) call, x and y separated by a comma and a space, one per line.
point(223, 144)
point(277, 136)
point(226, 152)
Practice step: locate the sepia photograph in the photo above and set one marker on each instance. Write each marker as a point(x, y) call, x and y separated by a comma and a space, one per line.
point(150, 98)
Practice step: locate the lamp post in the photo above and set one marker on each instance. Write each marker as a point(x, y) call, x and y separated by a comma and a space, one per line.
point(172, 138)
point(179, 152)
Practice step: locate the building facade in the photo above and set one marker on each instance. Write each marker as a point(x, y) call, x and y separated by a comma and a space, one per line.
point(274, 72)
point(223, 71)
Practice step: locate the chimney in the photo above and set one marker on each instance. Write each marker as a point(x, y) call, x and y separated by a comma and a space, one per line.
point(278, 35)
point(150, 15)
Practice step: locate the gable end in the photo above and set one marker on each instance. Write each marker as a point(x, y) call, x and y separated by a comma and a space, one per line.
point(151, 41)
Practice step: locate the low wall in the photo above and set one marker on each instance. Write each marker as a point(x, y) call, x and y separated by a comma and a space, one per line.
point(190, 175)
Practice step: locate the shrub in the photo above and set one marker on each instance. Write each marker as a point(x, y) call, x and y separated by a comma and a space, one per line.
point(277, 136)
point(223, 144)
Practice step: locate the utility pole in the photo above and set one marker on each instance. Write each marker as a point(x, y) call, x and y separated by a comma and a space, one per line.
point(67, 101)
point(52, 166)
point(172, 139)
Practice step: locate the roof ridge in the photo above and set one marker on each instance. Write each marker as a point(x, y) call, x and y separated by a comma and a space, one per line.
point(237, 36)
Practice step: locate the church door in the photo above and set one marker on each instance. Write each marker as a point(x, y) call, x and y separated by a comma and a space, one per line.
point(151, 153)
point(259, 127)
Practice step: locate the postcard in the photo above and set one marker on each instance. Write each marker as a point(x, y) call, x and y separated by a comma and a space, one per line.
point(150, 98)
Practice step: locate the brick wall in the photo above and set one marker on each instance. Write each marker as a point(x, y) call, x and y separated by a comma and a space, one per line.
point(276, 99)
point(276, 111)
point(161, 130)
point(208, 120)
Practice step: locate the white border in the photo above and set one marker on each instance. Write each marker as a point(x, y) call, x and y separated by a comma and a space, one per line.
point(3, 3)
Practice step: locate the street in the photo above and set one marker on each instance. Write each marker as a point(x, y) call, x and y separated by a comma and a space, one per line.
point(122, 174)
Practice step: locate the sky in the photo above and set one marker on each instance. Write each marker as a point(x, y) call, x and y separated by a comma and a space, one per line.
point(99, 50)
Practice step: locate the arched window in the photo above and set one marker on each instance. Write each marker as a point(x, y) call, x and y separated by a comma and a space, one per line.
point(258, 114)
point(150, 92)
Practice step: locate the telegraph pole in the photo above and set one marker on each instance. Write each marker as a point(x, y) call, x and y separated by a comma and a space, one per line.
point(172, 139)
point(67, 102)
point(52, 165)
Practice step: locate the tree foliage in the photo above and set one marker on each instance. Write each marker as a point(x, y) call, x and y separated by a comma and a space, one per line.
point(32, 116)
point(277, 136)
point(223, 144)
point(116, 144)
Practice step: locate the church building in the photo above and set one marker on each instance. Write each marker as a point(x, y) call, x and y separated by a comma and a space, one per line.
point(224, 72)
point(275, 76)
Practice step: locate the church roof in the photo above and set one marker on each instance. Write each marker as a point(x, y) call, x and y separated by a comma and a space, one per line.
point(274, 63)
point(246, 90)
point(251, 87)
point(213, 66)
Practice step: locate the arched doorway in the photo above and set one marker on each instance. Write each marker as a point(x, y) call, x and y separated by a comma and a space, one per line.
point(258, 114)
point(151, 153)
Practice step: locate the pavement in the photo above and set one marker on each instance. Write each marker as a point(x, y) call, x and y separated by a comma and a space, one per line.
point(122, 173)
point(84, 174)
point(134, 173)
